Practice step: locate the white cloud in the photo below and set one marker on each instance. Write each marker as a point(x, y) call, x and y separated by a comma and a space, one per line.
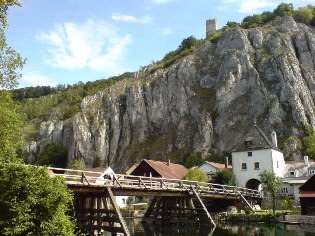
point(132, 19)
point(93, 45)
point(35, 78)
point(166, 31)
point(248, 6)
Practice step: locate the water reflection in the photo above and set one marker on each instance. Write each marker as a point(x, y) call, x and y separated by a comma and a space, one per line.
point(138, 229)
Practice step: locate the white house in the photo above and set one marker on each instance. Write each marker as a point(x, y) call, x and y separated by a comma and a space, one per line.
point(255, 154)
point(210, 168)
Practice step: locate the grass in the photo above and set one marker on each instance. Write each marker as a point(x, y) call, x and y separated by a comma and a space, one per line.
point(269, 211)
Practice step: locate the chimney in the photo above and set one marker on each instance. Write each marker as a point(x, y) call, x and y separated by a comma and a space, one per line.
point(169, 162)
point(226, 164)
point(274, 138)
point(306, 162)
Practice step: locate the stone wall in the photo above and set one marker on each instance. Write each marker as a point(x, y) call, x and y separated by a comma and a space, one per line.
point(302, 219)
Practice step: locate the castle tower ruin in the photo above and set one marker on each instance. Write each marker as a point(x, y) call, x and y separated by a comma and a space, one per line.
point(211, 26)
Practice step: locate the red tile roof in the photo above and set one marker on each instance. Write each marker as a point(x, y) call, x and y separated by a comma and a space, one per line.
point(308, 194)
point(173, 171)
point(218, 165)
point(298, 162)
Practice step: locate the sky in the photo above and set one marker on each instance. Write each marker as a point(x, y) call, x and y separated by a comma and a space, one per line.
point(71, 41)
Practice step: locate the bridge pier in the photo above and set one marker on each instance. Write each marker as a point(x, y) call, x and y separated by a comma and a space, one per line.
point(98, 212)
point(176, 211)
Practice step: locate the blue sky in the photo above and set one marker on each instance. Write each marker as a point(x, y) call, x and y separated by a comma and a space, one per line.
point(67, 41)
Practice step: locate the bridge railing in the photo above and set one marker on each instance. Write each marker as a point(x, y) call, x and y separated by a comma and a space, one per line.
point(130, 181)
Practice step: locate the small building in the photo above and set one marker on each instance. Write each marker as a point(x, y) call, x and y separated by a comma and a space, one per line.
point(211, 168)
point(307, 197)
point(296, 173)
point(159, 169)
point(255, 154)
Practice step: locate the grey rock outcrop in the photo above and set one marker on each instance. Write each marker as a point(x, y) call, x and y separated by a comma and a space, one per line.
point(204, 103)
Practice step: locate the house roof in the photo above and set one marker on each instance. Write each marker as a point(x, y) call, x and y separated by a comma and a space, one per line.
point(309, 185)
point(171, 171)
point(217, 165)
point(299, 167)
point(255, 139)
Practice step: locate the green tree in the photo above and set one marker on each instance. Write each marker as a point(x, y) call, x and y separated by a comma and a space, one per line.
point(225, 177)
point(53, 154)
point(196, 174)
point(77, 165)
point(11, 128)
point(10, 63)
point(303, 15)
point(188, 43)
point(284, 9)
point(230, 25)
point(267, 16)
point(97, 162)
point(271, 184)
point(252, 21)
point(309, 145)
point(4, 6)
point(194, 159)
point(33, 203)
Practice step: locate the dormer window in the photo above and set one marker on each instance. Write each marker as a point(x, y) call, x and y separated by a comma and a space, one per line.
point(249, 141)
point(250, 154)
point(292, 173)
point(311, 172)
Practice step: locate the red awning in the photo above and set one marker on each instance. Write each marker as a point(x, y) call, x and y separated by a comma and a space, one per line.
point(308, 194)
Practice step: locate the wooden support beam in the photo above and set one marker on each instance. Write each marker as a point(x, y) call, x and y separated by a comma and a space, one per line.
point(204, 208)
point(117, 210)
point(245, 201)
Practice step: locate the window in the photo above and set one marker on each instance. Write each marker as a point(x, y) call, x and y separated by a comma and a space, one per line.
point(250, 154)
point(311, 172)
point(277, 164)
point(292, 173)
point(256, 164)
point(248, 143)
point(123, 200)
point(284, 190)
point(244, 166)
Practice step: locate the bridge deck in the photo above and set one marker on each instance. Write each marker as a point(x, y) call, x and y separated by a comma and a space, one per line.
point(129, 185)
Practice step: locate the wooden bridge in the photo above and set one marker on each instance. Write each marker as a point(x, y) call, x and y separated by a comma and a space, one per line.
point(172, 202)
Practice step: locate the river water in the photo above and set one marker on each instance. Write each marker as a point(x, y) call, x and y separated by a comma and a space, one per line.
point(138, 229)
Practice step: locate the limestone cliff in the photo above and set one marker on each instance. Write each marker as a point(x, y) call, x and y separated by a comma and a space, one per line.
point(205, 102)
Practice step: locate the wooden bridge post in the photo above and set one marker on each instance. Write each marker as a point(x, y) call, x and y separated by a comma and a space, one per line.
point(176, 211)
point(98, 212)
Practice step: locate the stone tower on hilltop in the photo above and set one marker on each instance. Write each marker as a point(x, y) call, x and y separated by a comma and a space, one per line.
point(211, 26)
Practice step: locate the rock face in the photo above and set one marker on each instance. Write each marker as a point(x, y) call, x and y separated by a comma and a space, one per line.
point(204, 103)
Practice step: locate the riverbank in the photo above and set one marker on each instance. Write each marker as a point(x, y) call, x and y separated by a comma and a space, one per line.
point(283, 217)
